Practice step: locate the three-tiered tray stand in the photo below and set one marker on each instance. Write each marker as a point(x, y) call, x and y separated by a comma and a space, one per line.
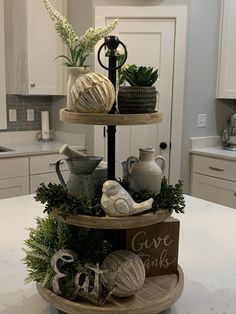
point(158, 293)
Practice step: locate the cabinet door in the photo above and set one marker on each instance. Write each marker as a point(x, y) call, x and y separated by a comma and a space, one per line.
point(226, 80)
point(214, 190)
point(3, 120)
point(44, 45)
point(14, 187)
point(32, 45)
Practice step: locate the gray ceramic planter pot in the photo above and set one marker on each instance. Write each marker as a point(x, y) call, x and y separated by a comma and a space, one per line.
point(137, 99)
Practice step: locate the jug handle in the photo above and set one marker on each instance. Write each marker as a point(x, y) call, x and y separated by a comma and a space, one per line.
point(58, 171)
point(225, 135)
point(129, 161)
point(163, 164)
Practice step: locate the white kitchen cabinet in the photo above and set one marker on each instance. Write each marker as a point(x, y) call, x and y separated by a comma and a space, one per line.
point(14, 187)
point(14, 177)
point(226, 78)
point(3, 118)
point(32, 45)
point(23, 175)
point(42, 170)
point(214, 179)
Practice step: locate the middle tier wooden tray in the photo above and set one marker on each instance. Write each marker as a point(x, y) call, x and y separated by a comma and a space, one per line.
point(110, 119)
point(107, 222)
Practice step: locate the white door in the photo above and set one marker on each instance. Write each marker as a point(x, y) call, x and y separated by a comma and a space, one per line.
point(150, 42)
point(155, 35)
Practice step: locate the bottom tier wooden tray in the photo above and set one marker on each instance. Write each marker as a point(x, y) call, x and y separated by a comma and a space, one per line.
point(157, 294)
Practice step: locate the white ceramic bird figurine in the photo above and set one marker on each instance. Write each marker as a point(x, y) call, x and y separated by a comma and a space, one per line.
point(117, 202)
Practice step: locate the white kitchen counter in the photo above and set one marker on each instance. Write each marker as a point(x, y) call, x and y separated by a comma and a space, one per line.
point(217, 151)
point(34, 148)
point(207, 255)
point(26, 143)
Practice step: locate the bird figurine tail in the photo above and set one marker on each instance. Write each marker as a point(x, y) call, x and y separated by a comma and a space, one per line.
point(140, 207)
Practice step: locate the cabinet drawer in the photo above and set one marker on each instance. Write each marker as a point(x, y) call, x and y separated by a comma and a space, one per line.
point(14, 187)
point(213, 189)
point(36, 179)
point(14, 167)
point(46, 163)
point(214, 167)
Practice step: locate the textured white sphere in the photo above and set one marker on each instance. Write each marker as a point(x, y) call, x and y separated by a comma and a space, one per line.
point(125, 271)
point(93, 93)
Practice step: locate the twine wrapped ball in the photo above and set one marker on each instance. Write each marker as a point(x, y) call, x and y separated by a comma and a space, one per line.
point(125, 273)
point(93, 93)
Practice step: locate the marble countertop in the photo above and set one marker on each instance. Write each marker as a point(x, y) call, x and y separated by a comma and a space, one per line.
point(217, 151)
point(207, 255)
point(34, 148)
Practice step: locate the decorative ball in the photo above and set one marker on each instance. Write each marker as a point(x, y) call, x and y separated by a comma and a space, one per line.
point(125, 273)
point(93, 93)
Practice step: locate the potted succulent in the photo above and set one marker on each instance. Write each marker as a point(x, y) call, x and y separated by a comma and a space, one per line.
point(140, 96)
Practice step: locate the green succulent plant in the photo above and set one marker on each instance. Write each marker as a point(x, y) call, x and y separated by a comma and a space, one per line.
point(140, 76)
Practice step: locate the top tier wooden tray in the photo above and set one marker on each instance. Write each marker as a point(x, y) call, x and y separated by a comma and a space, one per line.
point(110, 119)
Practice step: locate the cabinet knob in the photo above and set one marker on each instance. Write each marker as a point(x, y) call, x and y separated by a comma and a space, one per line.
point(163, 145)
point(32, 85)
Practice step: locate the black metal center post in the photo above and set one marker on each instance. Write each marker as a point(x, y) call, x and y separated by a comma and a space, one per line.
point(111, 42)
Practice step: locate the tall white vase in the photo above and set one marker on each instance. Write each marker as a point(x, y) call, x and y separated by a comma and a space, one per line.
point(73, 74)
point(144, 172)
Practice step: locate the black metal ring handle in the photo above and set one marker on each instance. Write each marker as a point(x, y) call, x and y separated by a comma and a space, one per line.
point(115, 68)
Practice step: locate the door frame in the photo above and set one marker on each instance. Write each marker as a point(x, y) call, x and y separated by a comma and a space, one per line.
point(179, 14)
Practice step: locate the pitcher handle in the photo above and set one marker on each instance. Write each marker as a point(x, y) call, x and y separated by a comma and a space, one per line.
point(129, 161)
point(225, 135)
point(58, 171)
point(163, 164)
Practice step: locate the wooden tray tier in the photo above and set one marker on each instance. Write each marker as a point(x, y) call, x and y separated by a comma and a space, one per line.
point(107, 222)
point(110, 119)
point(157, 294)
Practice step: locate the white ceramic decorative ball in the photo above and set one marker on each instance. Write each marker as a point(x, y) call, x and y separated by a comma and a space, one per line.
point(93, 93)
point(126, 273)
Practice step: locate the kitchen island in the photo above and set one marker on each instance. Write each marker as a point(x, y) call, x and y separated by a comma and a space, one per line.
point(207, 255)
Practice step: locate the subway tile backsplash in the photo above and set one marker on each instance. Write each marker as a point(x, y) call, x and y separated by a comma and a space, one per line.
point(21, 104)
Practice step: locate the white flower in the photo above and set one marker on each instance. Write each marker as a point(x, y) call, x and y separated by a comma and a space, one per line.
point(80, 47)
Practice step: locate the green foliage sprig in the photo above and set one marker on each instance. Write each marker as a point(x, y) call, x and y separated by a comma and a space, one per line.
point(55, 196)
point(171, 197)
point(49, 236)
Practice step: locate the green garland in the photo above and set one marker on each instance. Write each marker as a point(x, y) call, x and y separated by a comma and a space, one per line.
point(55, 196)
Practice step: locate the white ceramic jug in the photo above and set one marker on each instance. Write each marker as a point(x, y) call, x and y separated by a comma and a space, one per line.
point(144, 172)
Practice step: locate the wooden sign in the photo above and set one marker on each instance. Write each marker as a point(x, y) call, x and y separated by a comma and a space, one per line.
point(157, 245)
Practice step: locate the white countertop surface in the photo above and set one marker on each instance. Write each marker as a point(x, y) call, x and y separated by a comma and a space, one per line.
point(34, 148)
point(207, 255)
point(217, 151)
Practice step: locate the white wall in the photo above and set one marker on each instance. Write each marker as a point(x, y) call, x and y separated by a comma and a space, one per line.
point(200, 79)
point(79, 15)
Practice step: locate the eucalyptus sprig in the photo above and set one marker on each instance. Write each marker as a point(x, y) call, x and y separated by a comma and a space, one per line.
point(49, 236)
point(79, 47)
